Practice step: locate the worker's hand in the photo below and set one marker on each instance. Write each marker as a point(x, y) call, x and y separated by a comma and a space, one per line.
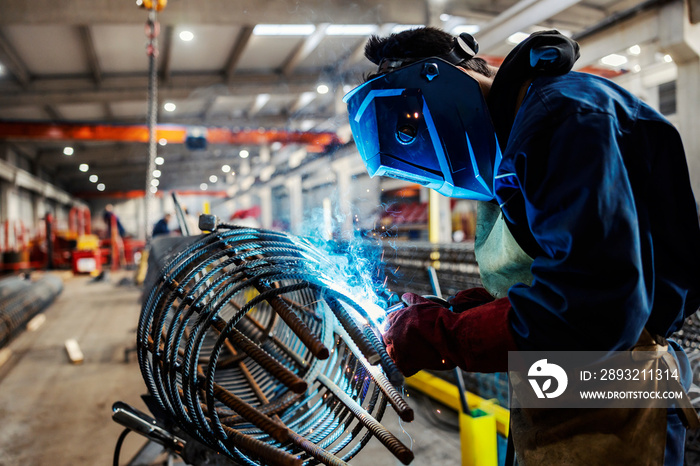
point(426, 335)
point(410, 339)
point(467, 299)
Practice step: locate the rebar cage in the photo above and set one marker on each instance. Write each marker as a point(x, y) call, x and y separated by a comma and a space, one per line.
point(254, 344)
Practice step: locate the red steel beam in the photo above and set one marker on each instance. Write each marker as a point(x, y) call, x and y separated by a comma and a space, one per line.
point(174, 134)
point(139, 193)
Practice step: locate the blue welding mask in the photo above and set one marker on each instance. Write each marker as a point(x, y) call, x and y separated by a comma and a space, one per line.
point(427, 122)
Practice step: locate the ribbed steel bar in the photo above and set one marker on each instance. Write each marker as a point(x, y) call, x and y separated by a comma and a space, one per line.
point(293, 321)
point(22, 299)
point(387, 438)
point(267, 362)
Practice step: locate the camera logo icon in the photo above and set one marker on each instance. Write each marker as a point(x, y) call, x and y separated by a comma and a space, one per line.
point(543, 372)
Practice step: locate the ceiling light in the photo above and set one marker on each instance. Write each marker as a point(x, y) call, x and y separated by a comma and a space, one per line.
point(155, 182)
point(156, 173)
point(468, 28)
point(445, 17)
point(244, 154)
point(93, 178)
point(101, 187)
point(634, 50)
point(226, 168)
point(153, 189)
point(322, 89)
point(517, 38)
point(613, 60)
point(405, 27)
point(636, 68)
point(668, 58)
point(84, 167)
point(68, 150)
point(284, 29)
point(186, 36)
point(159, 160)
point(351, 29)
point(163, 141)
point(213, 178)
point(169, 107)
point(203, 186)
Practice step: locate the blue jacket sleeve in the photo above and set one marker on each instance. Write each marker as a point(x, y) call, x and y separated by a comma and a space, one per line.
point(589, 288)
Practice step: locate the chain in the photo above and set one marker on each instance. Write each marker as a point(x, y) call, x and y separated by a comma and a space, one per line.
point(152, 30)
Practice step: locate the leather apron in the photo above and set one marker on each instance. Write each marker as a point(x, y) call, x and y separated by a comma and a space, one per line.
point(588, 437)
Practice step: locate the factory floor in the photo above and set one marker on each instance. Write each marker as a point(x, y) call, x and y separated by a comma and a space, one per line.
point(54, 412)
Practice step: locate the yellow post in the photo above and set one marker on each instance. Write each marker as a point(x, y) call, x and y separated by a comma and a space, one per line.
point(479, 428)
point(433, 216)
point(206, 208)
point(478, 438)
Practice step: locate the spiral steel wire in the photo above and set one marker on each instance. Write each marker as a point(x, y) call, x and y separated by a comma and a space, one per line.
point(252, 342)
point(21, 299)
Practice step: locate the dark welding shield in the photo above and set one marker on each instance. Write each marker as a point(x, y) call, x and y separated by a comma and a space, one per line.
point(427, 123)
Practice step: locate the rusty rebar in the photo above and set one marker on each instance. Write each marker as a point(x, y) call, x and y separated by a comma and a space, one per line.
point(263, 358)
point(268, 453)
point(269, 409)
point(353, 330)
point(394, 375)
point(311, 341)
point(394, 445)
point(251, 414)
point(314, 450)
point(397, 402)
point(303, 363)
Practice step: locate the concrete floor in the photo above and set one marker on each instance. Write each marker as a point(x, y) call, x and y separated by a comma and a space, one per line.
point(55, 413)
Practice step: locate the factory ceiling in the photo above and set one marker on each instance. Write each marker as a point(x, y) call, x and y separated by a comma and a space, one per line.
point(279, 68)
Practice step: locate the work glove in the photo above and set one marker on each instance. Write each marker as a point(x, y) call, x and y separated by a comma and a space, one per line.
point(426, 335)
point(467, 299)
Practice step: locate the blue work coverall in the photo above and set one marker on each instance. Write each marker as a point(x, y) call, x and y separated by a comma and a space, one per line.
point(594, 186)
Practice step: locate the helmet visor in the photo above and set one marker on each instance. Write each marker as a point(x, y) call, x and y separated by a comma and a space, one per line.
point(427, 123)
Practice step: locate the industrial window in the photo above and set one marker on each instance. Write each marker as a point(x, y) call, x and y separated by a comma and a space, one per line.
point(667, 98)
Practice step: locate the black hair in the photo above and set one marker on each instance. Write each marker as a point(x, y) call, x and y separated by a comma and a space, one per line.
point(417, 44)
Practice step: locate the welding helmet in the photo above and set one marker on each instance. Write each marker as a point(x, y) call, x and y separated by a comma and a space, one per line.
point(427, 122)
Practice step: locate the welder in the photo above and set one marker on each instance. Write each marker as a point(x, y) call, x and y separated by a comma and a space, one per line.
point(587, 232)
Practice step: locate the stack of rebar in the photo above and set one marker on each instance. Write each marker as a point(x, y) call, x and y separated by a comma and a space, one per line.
point(406, 265)
point(255, 345)
point(21, 299)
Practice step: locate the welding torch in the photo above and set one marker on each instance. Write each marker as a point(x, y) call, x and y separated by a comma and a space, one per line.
point(437, 298)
